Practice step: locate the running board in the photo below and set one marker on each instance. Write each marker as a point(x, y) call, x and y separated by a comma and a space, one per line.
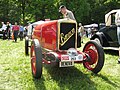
point(111, 48)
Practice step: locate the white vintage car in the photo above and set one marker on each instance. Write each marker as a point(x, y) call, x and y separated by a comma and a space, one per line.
point(1, 33)
point(31, 27)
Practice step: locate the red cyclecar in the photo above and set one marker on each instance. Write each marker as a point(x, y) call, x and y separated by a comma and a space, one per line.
point(56, 42)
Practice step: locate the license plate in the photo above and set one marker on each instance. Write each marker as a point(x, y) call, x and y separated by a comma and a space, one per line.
point(66, 63)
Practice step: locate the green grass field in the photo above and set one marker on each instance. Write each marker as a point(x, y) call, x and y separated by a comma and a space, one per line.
point(15, 72)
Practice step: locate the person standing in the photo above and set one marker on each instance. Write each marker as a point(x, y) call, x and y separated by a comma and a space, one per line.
point(3, 29)
point(66, 13)
point(25, 31)
point(15, 30)
point(81, 31)
point(21, 32)
point(117, 22)
point(89, 32)
point(8, 30)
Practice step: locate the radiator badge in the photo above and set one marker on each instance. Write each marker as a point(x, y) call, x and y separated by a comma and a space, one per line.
point(65, 38)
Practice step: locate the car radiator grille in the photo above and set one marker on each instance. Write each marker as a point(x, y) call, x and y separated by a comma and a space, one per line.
point(67, 36)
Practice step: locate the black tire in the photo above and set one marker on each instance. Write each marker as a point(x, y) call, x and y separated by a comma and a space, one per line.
point(118, 61)
point(96, 53)
point(36, 59)
point(98, 41)
point(26, 46)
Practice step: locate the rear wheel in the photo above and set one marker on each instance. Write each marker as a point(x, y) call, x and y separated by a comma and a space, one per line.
point(26, 46)
point(96, 54)
point(119, 61)
point(36, 59)
point(98, 41)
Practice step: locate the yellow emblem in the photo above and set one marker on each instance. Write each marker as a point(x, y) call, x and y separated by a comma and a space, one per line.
point(65, 38)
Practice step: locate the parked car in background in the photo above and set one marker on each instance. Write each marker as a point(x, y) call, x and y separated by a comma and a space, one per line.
point(4, 28)
point(107, 37)
point(107, 34)
point(1, 32)
point(31, 27)
point(91, 29)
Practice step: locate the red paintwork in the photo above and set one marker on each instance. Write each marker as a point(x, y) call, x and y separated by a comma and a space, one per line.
point(46, 33)
point(59, 53)
point(93, 55)
point(33, 60)
point(46, 61)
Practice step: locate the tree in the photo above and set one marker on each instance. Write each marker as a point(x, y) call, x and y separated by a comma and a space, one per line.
point(8, 9)
point(45, 9)
point(85, 11)
point(100, 7)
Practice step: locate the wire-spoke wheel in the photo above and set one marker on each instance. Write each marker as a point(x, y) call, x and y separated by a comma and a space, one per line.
point(96, 54)
point(36, 59)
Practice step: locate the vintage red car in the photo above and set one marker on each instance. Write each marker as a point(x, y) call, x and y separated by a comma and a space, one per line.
point(56, 42)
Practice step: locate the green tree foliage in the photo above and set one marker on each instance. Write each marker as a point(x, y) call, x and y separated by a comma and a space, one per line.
point(42, 9)
point(86, 11)
point(100, 7)
point(9, 11)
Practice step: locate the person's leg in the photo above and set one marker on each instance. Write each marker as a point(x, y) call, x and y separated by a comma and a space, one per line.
point(14, 35)
point(9, 34)
point(82, 37)
point(22, 36)
point(78, 41)
point(4, 35)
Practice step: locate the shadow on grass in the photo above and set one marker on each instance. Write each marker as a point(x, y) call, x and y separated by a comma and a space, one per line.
point(112, 52)
point(39, 84)
point(70, 78)
point(108, 81)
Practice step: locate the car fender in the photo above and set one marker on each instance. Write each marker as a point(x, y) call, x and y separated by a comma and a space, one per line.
point(102, 38)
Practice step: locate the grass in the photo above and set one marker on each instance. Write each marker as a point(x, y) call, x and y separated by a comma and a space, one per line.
point(15, 72)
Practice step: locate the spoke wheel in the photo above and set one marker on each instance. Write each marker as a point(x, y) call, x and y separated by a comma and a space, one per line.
point(36, 59)
point(96, 54)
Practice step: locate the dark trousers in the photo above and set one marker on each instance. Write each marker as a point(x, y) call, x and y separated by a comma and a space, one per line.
point(8, 34)
point(4, 32)
point(15, 35)
point(21, 35)
point(78, 41)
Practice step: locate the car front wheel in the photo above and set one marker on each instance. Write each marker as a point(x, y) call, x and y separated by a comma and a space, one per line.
point(96, 54)
point(36, 59)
